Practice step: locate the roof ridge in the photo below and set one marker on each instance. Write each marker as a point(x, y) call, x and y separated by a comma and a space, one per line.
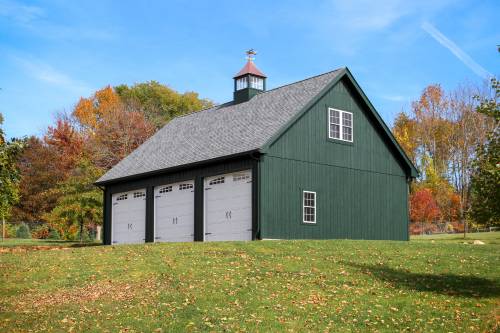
point(285, 85)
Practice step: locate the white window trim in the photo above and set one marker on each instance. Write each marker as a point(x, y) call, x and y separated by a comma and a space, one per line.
point(304, 207)
point(341, 129)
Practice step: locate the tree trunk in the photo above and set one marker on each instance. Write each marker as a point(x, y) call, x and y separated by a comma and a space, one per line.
point(81, 232)
point(3, 228)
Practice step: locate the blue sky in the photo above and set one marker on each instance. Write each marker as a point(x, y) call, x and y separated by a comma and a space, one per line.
point(53, 52)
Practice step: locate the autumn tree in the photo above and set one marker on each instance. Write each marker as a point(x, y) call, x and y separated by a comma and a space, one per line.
point(66, 142)
point(9, 174)
point(160, 103)
point(486, 169)
point(468, 132)
point(90, 112)
point(405, 131)
point(79, 204)
point(44, 163)
point(38, 165)
point(119, 133)
point(433, 128)
point(423, 207)
point(440, 134)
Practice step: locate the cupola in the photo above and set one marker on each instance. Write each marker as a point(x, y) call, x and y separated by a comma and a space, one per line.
point(249, 81)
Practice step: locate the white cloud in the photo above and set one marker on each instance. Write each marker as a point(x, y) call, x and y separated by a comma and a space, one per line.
point(34, 20)
point(457, 51)
point(394, 98)
point(47, 74)
point(19, 12)
point(350, 25)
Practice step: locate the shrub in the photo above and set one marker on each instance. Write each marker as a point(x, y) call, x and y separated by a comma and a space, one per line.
point(23, 231)
point(54, 234)
point(40, 232)
point(87, 236)
point(10, 230)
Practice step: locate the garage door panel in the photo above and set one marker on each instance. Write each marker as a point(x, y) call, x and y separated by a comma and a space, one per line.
point(228, 207)
point(174, 212)
point(129, 217)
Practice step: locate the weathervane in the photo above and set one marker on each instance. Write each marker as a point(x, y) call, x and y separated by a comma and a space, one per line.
point(251, 54)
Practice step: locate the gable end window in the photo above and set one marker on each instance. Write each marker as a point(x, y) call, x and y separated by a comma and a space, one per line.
point(309, 207)
point(340, 124)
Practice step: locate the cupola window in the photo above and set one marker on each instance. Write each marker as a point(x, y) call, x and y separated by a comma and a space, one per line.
point(256, 82)
point(241, 83)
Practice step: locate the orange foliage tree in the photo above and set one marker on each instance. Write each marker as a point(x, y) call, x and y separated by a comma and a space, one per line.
point(423, 207)
point(91, 111)
point(66, 142)
point(119, 133)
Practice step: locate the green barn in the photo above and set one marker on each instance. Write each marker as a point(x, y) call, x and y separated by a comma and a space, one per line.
point(308, 160)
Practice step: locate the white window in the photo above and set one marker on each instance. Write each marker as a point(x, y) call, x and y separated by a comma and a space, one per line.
point(139, 194)
point(215, 181)
point(256, 82)
point(185, 186)
point(241, 83)
point(122, 197)
point(309, 206)
point(166, 189)
point(240, 177)
point(340, 125)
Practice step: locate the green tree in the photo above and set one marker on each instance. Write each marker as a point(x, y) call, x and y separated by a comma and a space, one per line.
point(9, 175)
point(160, 103)
point(485, 208)
point(80, 202)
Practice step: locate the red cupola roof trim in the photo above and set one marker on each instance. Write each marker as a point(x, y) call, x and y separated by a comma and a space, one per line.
point(250, 68)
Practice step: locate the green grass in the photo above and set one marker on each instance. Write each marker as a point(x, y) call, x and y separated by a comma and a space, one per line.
point(260, 286)
point(486, 237)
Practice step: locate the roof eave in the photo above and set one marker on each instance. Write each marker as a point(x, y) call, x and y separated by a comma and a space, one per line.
point(175, 168)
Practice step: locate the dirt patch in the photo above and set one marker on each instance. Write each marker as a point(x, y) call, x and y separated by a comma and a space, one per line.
point(107, 290)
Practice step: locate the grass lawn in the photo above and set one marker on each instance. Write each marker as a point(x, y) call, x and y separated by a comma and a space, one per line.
point(486, 237)
point(338, 285)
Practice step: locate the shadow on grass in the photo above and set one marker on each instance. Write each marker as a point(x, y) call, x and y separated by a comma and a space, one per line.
point(446, 284)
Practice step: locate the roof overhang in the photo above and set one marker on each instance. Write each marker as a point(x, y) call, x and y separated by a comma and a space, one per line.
point(255, 153)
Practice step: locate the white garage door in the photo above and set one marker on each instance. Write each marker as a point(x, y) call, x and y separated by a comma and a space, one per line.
point(129, 217)
point(228, 207)
point(174, 212)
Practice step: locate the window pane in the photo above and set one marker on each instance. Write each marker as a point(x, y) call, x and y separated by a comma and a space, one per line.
point(241, 83)
point(334, 117)
point(347, 133)
point(334, 131)
point(346, 119)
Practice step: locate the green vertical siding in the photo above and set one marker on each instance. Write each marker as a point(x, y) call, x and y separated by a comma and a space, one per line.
point(361, 187)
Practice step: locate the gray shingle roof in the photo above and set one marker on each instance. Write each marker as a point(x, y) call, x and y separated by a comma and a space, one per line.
point(220, 131)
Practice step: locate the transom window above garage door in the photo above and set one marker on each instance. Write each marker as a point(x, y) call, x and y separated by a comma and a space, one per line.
point(139, 194)
point(165, 189)
point(240, 177)
point(122, 197)
point(185, 186)
point(218, 180)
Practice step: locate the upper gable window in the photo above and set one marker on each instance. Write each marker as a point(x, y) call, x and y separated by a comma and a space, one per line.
point(340, 125)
